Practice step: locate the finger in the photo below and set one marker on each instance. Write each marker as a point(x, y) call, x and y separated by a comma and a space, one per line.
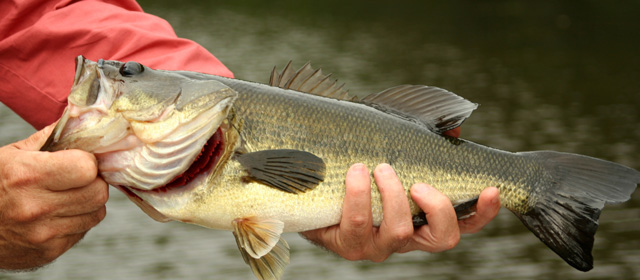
point(356, 221)
point(54, 171)
point(47, 231)
point(350, 238)
point(487, 209)
point(78, 201)
point(82, 223)
point(37, 255)
point(69, 169)
point(442, 233)
point(397, 226)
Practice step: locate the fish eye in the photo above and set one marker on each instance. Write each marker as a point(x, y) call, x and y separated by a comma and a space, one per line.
point(131, 68)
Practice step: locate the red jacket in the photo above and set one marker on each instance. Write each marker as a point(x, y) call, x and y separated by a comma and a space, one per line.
point(39, 40)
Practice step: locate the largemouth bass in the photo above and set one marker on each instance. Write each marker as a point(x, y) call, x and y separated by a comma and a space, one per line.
point(260, 160)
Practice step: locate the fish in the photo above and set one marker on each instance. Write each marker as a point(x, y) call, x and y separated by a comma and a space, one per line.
point(262, 159)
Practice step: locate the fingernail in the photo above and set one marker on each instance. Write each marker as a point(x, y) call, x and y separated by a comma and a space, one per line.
point(384, 169)
point(358, 167)
point(496, 199)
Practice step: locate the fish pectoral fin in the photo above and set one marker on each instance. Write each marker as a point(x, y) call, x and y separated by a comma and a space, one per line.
point(261, 246)
point(292, 171)
point(440, 110)
point(464, 210)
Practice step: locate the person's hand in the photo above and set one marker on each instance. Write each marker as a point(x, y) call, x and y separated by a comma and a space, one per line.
point(48, 201)
point(355, 238)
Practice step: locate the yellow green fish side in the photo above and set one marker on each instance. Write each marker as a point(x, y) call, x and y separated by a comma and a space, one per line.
point(333, 130)
point(539, 187)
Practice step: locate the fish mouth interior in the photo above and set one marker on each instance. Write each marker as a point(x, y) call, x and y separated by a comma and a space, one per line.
point(207, 159)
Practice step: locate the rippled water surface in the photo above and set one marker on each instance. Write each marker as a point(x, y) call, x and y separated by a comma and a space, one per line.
point(560, 76)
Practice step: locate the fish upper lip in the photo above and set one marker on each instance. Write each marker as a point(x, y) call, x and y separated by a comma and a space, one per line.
point(79, 68)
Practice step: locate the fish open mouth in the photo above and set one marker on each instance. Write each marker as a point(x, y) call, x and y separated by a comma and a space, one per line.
point(208, 158)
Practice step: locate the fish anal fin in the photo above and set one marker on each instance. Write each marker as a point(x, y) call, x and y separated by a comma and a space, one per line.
point(464, 209)
point(308, 80)
point(271, 265)
point(440, 110)
point(261, 246)
point(292, 171)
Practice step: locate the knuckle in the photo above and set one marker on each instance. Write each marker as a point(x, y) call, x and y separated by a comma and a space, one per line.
point(27, 211)
point(358, 221)
point(41, 237)
point(83, 166)
point(96, 218)
point(52, 253)
point(451, 242)
point(102, 196)
point(89, 166)
point(18, 175)
point(403, 233)
point(354, 255)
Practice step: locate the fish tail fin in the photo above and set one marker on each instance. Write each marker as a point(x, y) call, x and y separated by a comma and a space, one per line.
point(565, 216)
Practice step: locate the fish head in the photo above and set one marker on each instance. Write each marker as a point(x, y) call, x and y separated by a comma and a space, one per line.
point(146, 127)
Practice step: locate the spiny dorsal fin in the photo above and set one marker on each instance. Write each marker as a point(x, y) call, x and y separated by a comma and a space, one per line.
point(308, 80)
point(439, 109)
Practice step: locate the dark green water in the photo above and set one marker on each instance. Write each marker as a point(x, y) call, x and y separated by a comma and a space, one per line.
point(559, 75)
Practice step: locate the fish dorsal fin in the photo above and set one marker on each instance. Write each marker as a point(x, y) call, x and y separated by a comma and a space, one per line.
point(308, 80)
point(261, 246)
point(439, 109)
point(292, 171)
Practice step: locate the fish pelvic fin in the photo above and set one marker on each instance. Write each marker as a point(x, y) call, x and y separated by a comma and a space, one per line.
point(565, 216)
point(261, 246)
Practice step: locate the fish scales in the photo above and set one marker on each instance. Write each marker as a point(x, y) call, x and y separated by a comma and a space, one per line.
point(260, 160)
point(277, 118)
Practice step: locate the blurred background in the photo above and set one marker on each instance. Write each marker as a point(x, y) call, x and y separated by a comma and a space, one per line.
point(558, 75)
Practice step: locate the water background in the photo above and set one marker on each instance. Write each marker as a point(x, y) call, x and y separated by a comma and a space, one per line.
point(555, 75)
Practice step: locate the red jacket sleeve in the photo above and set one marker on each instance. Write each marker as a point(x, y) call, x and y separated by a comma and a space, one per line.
point(40, 39)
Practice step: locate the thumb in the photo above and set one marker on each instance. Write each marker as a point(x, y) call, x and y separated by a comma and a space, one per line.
point(36, 140)
point(59, 170)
